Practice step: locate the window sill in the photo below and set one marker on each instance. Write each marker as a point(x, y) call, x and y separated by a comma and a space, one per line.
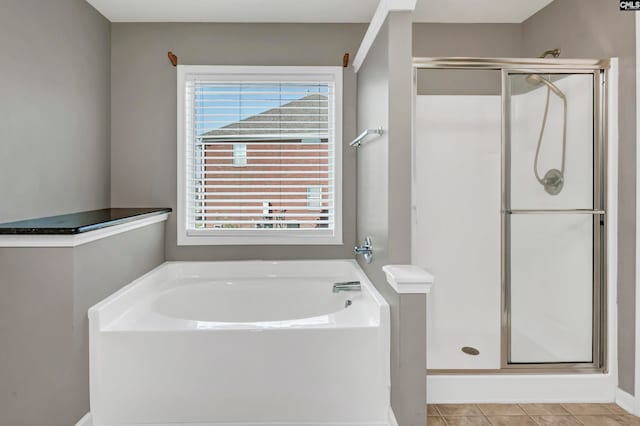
point(209, 239)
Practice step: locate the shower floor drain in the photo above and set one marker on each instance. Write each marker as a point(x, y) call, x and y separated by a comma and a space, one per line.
point(470, 351)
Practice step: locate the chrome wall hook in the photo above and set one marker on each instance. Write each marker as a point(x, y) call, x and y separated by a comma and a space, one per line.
point(358, 141)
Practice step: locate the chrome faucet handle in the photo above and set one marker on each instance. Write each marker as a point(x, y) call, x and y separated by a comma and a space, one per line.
point(366, 250)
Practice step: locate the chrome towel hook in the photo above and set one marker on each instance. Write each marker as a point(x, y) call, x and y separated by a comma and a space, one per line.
point(358, 141)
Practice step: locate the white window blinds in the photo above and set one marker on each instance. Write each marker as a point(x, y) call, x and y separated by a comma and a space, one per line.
point(255, 144)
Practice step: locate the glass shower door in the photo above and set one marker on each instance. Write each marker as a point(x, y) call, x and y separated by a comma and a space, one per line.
point(553, 218)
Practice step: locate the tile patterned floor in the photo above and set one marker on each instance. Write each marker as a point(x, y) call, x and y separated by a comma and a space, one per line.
point(529, 414)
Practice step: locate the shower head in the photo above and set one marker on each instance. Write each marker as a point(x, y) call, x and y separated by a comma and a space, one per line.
point(537, 79)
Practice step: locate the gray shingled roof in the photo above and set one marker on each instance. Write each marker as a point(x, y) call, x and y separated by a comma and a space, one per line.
point(296, 117)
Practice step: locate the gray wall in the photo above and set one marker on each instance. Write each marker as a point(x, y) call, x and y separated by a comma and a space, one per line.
point(36, 317)
point(488, 40)
point(437, 82)
point(384, 205)
point(143, 112)
point(54, 108)
point(44, 361)
point(597, 29)
point(474, 40)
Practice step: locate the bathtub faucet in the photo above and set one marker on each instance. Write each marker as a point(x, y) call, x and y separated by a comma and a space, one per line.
point(347, 286)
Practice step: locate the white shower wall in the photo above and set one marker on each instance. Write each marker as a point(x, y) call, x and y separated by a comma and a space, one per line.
point(457, 226)
point(457, 233)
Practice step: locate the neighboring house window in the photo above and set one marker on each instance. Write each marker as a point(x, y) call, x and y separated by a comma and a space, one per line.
point(259, 155)
point(311, 140)
point(314, 197)
point(239, 154)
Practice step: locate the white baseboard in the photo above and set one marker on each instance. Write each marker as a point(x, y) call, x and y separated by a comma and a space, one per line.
point(392, 418)
point(85, 420)
point(626, 401)
point(462, 389)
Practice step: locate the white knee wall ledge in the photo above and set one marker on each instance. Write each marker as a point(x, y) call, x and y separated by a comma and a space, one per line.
point(74, 240)
point(408, 279)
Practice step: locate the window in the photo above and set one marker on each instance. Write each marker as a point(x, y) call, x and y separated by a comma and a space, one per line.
point(314, 197)
point(239, 154)
point(259, 155)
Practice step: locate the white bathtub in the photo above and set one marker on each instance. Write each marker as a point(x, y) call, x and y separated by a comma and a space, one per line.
point(241, 343)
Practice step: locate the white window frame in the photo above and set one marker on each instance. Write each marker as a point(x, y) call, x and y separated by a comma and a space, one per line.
point(186, 236)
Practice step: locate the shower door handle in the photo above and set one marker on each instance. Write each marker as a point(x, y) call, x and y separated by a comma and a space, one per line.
point(554, 211)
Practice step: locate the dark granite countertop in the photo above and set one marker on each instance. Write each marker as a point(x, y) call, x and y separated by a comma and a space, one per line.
point(77, 223)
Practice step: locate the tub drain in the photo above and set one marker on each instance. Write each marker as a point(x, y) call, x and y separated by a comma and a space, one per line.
point(470, 351)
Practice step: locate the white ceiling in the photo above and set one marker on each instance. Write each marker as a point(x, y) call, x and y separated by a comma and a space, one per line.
point(305, 11)
point(468, 11)
point(236, 10)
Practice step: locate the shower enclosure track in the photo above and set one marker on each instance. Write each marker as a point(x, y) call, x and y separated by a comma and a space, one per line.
point(557, 211)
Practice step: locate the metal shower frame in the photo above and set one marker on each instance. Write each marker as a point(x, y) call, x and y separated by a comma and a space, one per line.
point(513, 66)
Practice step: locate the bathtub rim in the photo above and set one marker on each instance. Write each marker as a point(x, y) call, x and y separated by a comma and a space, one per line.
point(100, 315)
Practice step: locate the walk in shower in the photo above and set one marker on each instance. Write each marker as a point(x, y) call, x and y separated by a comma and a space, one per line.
point(510, 215)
